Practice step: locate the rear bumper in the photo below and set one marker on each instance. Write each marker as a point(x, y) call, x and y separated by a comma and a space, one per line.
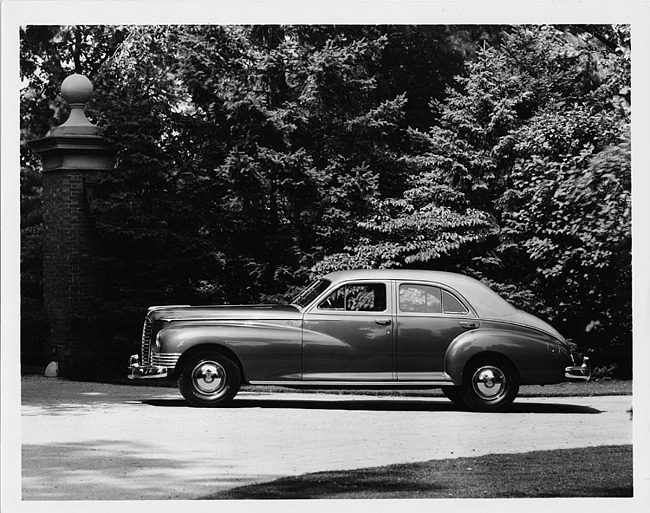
point(578, 372)
point(139, 371)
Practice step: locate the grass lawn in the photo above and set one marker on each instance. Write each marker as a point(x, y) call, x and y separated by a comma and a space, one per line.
point(592, 472)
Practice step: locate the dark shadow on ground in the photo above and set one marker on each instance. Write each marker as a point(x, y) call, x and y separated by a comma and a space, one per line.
point(378, 405)
point(550, 408)
point(523, 475)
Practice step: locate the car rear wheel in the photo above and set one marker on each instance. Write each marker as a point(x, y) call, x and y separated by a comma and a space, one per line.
point(490, 385)
point(209, 379)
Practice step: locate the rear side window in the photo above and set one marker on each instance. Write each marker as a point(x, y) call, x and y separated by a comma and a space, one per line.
point(451, 304)
point(366, 297)
point(420, 299)
point(428, 299)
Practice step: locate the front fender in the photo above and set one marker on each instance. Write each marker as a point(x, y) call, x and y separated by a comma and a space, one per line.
point(266, 350)
point(532, 353)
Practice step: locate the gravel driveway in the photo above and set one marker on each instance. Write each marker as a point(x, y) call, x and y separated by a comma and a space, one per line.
point(89, 441)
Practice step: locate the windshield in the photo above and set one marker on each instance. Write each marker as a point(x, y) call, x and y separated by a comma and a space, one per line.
point(310, 293)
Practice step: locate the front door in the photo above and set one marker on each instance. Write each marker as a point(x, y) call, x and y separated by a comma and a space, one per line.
point(348, 336)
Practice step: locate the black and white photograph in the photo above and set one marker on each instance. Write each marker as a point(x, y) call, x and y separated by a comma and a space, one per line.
point(270, 255)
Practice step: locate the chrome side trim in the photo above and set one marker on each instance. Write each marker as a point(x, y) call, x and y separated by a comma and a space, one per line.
point(355, 384)
point(165, 359)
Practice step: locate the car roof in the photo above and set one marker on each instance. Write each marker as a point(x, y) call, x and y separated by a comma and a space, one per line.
point(400, 274)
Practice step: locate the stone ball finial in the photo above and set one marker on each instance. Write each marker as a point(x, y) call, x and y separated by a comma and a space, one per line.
point(76, 89)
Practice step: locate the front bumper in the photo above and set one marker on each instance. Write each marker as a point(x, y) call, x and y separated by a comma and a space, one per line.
point(139, 371)
point(578, 372)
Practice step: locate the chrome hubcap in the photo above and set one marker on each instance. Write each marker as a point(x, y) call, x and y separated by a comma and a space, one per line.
point(489, 383)
point(209, 378)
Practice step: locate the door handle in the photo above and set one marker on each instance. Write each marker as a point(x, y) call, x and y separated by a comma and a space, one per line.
point(469, 324)
point(383, 322)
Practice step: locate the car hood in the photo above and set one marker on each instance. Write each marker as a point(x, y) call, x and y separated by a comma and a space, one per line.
point(222, 312)
point(535, 322)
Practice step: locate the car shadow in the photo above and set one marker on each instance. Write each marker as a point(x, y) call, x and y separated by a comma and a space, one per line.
point(550, 408)
point(422, 405)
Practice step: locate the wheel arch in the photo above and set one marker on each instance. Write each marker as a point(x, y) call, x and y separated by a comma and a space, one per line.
point(471, 347)
point(207, 346)
point(489, 356)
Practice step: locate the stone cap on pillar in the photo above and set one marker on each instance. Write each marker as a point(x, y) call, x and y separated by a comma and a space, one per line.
point(77, 143)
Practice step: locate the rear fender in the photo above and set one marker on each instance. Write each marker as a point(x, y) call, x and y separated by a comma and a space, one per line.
point(530, 353)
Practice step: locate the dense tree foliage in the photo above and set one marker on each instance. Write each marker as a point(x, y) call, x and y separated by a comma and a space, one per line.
point(553, 167)
point(528, 185)
point(251, 158)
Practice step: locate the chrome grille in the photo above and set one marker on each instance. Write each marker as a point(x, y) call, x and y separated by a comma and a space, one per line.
point(168, 360)
point(146, 341)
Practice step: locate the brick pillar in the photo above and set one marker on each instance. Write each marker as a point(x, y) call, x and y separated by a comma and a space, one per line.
point(73, 156)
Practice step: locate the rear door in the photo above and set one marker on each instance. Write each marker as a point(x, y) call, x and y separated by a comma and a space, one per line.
point(428, 319)
point(348, 336)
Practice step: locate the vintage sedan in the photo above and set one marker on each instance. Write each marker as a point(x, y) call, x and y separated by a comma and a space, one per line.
point(361, 329)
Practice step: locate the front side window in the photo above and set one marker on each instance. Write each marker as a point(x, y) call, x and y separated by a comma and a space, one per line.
point(428, 299)
point(357, 297)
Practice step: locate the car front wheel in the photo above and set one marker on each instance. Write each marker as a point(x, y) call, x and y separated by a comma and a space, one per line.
point(490, 385)
point(209, 379)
